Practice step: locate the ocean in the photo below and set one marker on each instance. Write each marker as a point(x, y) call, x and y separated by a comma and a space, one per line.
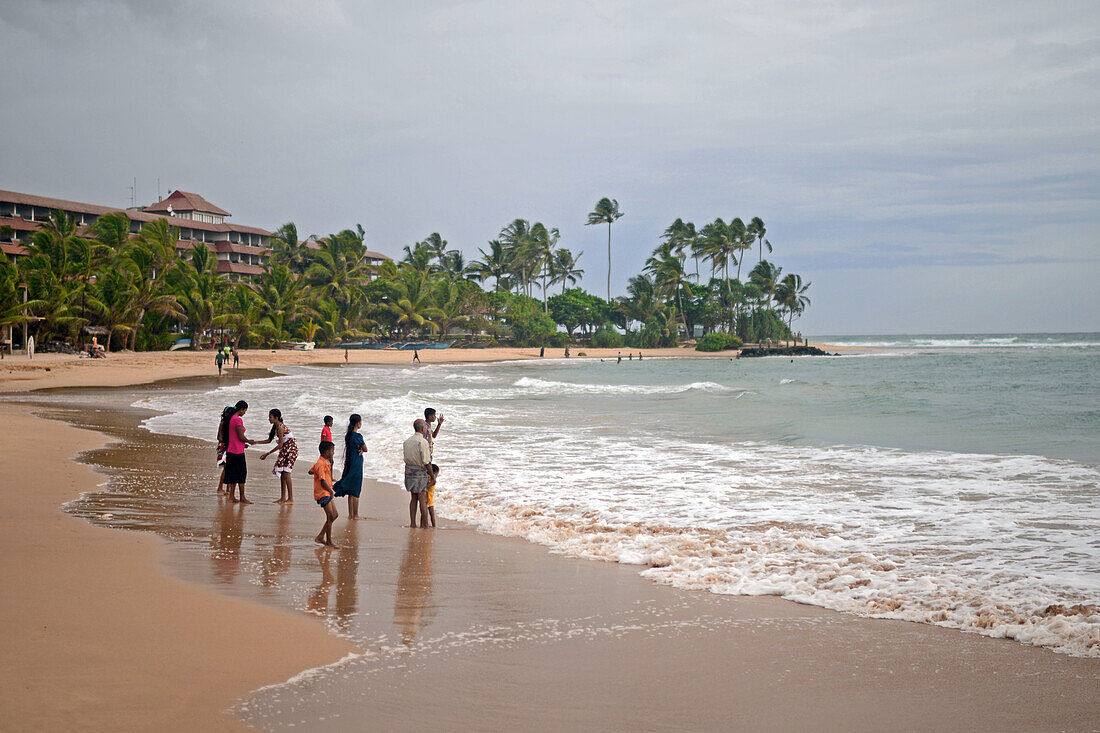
point(950, 480)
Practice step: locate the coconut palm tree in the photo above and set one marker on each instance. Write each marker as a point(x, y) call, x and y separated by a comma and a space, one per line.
point(243, 310)
point(287, 249)
point(742, 240)
point(493, 263)
point(757, 230)
point(543, 242)
point(419, 256)
point(766, 277)
point(412, 305)
point(563, 268)
point(666, 266)
point(199, 288)
point(437, 247)
point(113, 297)
point(790, 294)
point(606, 212)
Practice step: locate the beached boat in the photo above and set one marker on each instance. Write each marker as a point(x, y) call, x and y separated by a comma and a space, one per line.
point(412, 346)
point(180, 344)
point(439, 345)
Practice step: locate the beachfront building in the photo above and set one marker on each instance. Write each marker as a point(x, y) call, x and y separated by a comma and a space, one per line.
point(241, 250)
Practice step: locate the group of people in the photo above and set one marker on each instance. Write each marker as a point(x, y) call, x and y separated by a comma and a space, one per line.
point(418, 450)
point(223, 355)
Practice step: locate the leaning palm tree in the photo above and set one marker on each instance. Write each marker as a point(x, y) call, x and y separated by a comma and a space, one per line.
point(564, 270)
point(757, 230)
point(742, 240)
point(287, 249)
point(606, 212)
point(493, 263)
point(544, 242)
point(437, 246)
point(766, 277)
point(113, 300)
point(666, 265)
point(790, 294)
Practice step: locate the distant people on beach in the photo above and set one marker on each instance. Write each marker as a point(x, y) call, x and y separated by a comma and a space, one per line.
point(236, 359)
point(566, 352)
point(326, 429)
point(323, 492)
point(236, 469)
point(219, 359)
point(345, 356)
point(418, 463)
point(287, 448)
point(351, 479)
point(620, 361)
point(416, 356)
point(542, 351)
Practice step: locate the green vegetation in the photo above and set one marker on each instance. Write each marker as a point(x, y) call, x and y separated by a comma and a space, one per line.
point(143, 295)
point(717, 341)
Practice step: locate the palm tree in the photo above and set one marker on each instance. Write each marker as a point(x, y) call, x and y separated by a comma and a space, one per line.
point(411, 306)
point(543, 243)
point(437, 246)
point(242, 312)
point(113, 299)
point(563, 268)
point(757, 230)
point(493, 263)
point(606, 212)
point(666, 265)
point(766, 277)
point(419, 256)
point(742, 240)
point(283, 299)
point(523, 253)
point(287, 249)
point(200, 289)
point(790, 294)
point(58, 266)
point(682, 236)
point(153, 254)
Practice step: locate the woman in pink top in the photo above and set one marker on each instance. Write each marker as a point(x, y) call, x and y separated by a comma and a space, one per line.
point(235, 469)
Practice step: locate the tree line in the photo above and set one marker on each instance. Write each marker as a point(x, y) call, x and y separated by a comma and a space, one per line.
point(141, 294)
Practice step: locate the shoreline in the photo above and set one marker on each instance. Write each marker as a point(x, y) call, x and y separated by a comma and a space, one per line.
point(107, 639)
point(766, 636)
point(126, 369)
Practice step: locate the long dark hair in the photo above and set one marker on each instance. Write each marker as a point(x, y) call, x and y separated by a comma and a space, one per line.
point(275, 413)
point(227, 415)
point(223, 424)
point(354, 421)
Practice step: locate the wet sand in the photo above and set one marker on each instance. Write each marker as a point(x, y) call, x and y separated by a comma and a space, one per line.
point(97, 637)
point(457, 628)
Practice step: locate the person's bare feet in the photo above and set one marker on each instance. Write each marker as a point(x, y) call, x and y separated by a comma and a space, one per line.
point(332, 545)
point(278, 501)
point(221, 491)
point(245, 501)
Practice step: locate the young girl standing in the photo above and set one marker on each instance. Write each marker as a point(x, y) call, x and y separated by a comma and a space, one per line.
point(288, 454)
point(351, 481)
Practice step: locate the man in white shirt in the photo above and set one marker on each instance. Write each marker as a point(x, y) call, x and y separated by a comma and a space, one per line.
point(418, 464)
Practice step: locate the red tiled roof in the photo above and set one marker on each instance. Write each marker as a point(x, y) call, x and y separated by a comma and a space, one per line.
point(19, 224)
point(239, 268)
point(367, 253)
point(184, 201)
point(240, 248)
point(13, 250)
point(134, 214)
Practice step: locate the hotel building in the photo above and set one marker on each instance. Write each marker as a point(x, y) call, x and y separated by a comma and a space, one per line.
point(241, 250)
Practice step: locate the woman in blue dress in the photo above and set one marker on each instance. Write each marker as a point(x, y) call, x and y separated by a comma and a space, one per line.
point(351, 480)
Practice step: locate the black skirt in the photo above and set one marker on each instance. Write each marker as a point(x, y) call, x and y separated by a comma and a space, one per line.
point(236, 471)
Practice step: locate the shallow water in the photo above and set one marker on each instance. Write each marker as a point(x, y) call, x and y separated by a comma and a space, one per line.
point(955, 485)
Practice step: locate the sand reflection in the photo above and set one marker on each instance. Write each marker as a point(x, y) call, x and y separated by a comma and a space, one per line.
point(226, 541)
point(412, 609)
point(278, 562)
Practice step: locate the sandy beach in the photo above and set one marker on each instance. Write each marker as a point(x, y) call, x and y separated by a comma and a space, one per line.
point(173, 629)
point(18, 374)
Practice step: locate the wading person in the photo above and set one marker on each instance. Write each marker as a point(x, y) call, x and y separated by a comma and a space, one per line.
point(236, 470)
point(418, 463)
point(351, 480)
point(322, 492)
point(288, 454)
point(431, 434)
point(219, 359)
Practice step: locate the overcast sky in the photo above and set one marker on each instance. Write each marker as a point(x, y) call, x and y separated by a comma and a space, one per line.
point(929, 166)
